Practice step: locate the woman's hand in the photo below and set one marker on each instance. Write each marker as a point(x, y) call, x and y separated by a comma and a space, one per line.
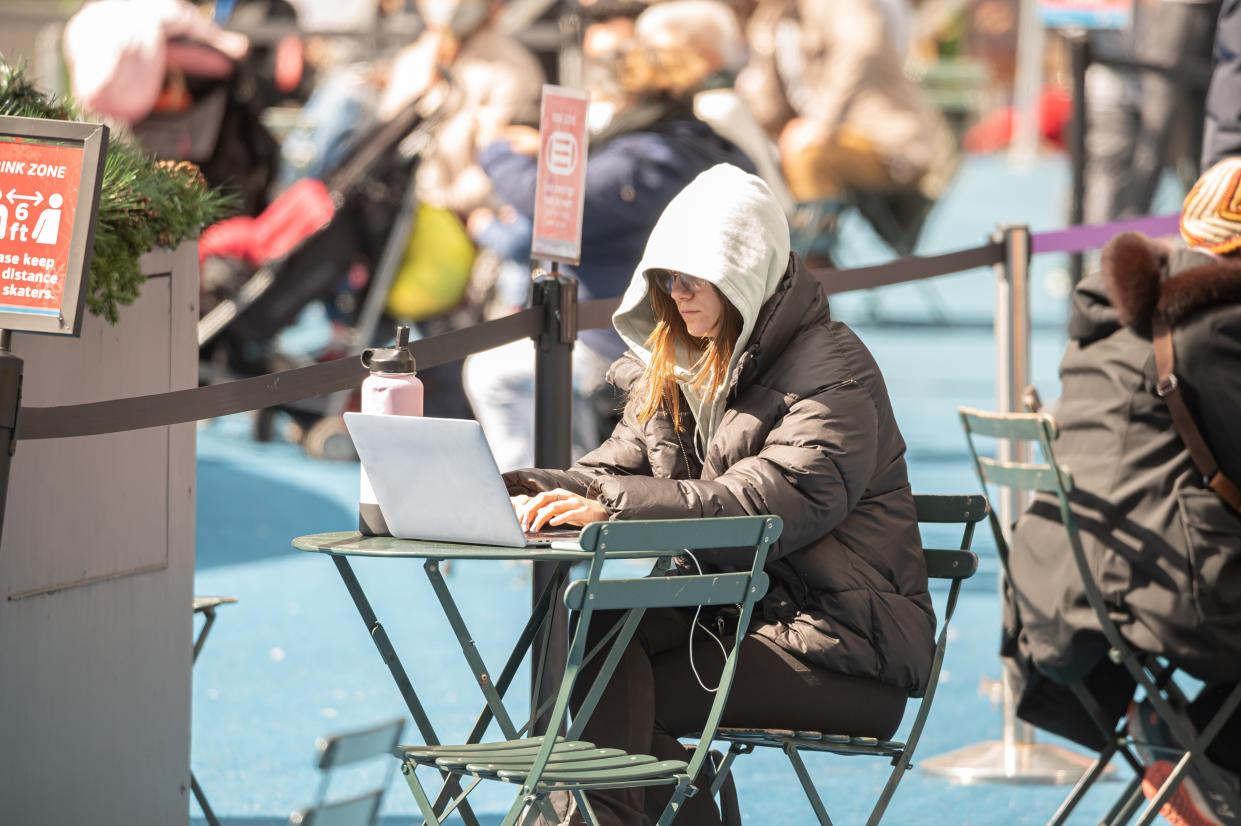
point(556, 507)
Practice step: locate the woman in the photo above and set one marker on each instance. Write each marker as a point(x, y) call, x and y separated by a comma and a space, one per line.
point(744, 397)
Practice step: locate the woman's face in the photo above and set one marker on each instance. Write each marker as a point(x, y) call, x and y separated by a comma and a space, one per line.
point(698, 301)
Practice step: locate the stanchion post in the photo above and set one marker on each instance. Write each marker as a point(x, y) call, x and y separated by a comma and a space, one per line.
point(553, 370)
point(1079, 60)
point(553, 443)
point(1016, 758)
point(10, 402)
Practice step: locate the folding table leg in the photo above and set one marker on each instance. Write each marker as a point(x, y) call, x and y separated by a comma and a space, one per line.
point(493, 699)
point(380, 637)
point(202, 801)
point(515, 659)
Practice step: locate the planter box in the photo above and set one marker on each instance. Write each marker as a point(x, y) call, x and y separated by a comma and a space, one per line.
point(97, 575)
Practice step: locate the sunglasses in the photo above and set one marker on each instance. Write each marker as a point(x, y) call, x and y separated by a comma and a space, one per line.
point(666, 279)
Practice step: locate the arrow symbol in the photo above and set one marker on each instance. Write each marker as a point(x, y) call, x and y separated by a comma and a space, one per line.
point(13, 196)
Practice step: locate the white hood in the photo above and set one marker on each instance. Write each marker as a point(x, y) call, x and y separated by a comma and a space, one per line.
point(726, 227)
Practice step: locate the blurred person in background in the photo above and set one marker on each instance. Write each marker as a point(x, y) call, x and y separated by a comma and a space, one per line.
point(477, 79)
point(1140, 122)
point(1222, 127)
point(187, 88)
point(827, 79)
point(646, 145)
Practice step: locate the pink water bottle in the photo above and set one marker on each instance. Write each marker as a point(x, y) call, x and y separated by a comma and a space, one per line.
point(392, 388)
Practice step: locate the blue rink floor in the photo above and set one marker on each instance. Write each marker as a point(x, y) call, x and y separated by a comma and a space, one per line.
point(291, 661)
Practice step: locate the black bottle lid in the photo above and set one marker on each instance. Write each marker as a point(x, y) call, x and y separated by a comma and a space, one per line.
point(396, 359)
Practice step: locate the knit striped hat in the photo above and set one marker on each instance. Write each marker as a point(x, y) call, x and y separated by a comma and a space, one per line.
point(1211, 216)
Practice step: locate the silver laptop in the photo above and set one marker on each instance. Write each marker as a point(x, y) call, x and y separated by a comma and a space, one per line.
point(435, 479)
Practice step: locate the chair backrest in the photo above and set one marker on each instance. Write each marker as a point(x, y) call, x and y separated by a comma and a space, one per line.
point(1047, 476)
point(669, 535)
point(637, 594)
point(966, 510)
point(344, 749)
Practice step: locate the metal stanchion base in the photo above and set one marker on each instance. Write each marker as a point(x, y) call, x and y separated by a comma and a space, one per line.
point(1024, 764)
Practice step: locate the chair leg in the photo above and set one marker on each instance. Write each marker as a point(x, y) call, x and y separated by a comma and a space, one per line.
point(1081, 787)
point(679, 794)
point(807, 785)
point(1126, 805)
point(420, 795)
point(583, 805)
point(515, 811)
point(722, 770)
point(1165, 791)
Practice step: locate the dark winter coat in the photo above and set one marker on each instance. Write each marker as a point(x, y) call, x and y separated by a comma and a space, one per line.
point(808, 435)
point(1164, 548)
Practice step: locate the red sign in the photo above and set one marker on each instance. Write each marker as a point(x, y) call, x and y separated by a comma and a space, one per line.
point(561, 187)
point(39, 183)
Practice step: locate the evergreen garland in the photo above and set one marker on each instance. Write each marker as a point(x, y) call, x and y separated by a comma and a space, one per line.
point(143, 203)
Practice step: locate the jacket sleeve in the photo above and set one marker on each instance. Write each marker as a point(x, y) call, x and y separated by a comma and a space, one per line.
point(812, 469)
point(624, 452)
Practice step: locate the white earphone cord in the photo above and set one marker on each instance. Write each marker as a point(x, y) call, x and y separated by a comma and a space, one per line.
point(710, 633)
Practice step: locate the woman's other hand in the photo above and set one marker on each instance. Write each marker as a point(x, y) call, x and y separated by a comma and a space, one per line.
point(553, 508)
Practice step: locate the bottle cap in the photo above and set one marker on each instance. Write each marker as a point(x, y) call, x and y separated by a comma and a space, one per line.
point(396, 359)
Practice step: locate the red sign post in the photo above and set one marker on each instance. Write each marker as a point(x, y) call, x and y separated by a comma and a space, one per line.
point(561, 188)
point(49, 177)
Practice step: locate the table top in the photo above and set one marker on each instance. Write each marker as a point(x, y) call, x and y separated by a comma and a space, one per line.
point(352, 543)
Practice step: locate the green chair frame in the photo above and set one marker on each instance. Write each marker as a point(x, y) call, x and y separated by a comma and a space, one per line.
point(344, 749)
point(540, 765)
point(955, 565)
point(1153, 676)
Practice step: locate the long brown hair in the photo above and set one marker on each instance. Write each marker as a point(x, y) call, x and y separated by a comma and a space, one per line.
point(710, 369)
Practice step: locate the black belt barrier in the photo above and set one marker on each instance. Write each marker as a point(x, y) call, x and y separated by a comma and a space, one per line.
point(256, 393)
point(275, 389)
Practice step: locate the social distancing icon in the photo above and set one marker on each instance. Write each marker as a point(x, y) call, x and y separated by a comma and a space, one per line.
point(47, 228)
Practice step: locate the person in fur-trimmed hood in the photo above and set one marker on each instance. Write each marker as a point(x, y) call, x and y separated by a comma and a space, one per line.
point(745, 397)
point(1164, 547)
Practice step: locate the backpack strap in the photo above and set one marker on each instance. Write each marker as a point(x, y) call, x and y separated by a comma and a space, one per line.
point(1169, 390)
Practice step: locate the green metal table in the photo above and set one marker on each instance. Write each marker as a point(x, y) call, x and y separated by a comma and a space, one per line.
point(564, 554)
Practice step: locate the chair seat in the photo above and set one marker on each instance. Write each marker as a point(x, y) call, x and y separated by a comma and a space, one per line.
point(571, 762)
point(811, 741)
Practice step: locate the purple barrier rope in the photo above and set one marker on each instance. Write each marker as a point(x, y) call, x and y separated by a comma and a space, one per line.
point(1094, 236)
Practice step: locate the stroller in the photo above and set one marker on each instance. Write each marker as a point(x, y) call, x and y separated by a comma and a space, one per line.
point(187, 89)
point(339, 241)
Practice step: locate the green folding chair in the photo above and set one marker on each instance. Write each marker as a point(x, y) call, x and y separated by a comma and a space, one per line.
point(1152, 675)
point(953, 565)
point(540, 765)
point(347, 749)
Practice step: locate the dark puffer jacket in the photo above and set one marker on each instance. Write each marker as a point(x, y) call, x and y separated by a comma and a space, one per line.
point(808, 435)
point(1164, 548)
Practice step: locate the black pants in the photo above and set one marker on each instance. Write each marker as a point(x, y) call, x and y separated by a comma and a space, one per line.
point(654, 698)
